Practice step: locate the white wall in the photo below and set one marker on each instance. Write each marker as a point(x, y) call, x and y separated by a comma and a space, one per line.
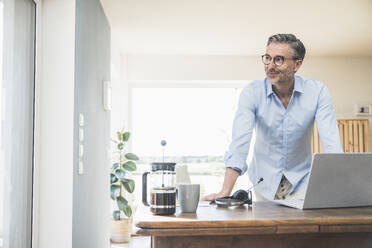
point(91, 202)
point(54, 127)
point(120, 92)
point(188, 67)
point(348, 78)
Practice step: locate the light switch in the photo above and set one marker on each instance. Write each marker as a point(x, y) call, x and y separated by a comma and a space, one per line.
point(81, 150)
point(81, 119)
point(81, 134)
point(81, 168)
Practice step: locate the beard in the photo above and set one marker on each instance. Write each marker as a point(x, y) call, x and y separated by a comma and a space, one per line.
point(278, 77)
point(274, 76)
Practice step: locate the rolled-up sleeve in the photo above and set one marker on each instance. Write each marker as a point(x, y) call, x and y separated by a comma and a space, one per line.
point(243, 126)
point(326, 122)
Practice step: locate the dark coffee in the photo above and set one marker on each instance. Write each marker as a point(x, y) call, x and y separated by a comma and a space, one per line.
point(163, 201)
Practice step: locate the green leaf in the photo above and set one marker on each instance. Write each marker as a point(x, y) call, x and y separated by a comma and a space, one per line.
point(114, 167)
point(129, 166)
point(128, 211)
point(128, 184)
point(113, 178)
point(120, 146)
point(114, 191)
point(120, 136)
point(122, 203)
point(126, 136)
point(131, 156)
point(120, 173)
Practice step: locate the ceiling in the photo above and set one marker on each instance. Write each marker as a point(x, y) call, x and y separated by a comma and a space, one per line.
point(239, 27)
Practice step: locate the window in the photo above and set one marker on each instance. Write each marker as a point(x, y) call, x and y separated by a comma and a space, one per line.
point(17, 112)
point(1, 138)
point(195, 122)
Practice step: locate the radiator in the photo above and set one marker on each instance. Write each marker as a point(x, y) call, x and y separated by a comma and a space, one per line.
point(354, 136)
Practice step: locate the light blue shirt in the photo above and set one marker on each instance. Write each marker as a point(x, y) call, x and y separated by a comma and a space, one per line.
point(283, 135)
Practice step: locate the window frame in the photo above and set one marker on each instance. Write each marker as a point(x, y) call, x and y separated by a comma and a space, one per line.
point(35, 9)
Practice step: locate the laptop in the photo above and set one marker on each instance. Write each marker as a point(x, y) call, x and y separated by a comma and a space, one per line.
point(337, 180)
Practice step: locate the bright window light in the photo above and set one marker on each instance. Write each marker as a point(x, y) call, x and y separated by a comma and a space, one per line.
point(195, 122)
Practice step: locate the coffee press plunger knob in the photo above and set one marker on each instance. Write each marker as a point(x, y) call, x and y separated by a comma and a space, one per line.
point(163, 143)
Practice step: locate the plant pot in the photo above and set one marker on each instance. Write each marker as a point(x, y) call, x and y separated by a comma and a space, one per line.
point(121, 230)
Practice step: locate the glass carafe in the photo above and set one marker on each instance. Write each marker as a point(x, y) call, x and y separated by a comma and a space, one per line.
point(162, 188)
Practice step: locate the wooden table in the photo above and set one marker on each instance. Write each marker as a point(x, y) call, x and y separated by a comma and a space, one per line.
point(265, 224)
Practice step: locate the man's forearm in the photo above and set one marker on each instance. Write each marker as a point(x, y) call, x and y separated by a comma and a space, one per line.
point(229, 181)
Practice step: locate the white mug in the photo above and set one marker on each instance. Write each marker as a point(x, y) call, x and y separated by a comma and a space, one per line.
point(188, 197)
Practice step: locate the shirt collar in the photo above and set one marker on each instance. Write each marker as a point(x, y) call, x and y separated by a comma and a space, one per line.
point(298, 86)
point(269, 87)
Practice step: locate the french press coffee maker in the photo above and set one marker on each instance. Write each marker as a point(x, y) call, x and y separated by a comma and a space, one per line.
point(162, 189)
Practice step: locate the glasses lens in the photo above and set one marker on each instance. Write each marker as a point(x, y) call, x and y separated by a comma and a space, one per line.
point(278, 60)
point(266, 59)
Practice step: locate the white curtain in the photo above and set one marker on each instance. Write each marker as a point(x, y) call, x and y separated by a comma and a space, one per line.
point(18, 121)
point(1, 145)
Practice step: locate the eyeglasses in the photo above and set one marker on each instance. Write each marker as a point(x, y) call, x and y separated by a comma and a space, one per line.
point(278, 60)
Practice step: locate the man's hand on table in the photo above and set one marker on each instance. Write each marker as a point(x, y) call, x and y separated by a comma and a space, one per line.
point(228, 183)
point(212, 197)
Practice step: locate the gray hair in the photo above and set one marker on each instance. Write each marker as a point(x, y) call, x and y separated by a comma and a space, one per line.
point(297, 46)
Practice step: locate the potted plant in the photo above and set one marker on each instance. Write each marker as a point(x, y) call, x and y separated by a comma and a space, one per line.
point(122, 186)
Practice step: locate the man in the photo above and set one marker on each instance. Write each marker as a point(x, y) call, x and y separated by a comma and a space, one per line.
point(281, 109)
